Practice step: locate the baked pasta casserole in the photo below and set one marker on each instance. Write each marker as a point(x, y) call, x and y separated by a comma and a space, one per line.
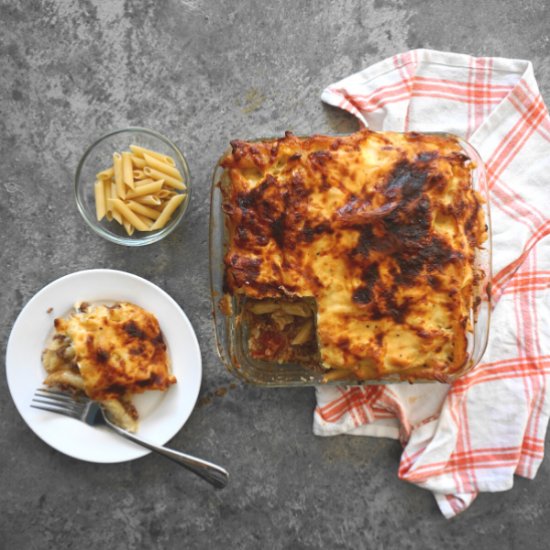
point(354, 255)
point(109, 353)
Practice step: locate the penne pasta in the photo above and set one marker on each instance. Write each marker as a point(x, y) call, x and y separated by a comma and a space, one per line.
point(153, 187)
point(99, 190)
point(129, 227)
point(166, 194)
point(162, 167)
point(128, 215)
point(145, 181)
point(137, 162)
point(338, 374)
point(303, 334)
point(105, 174)
point(141, 151)
point(114, 213)
point(107, 189)
point(143, 210)
point(127, 169)
point(265, 306)
point(149, 200)
point(147, 221)
point(167, 212)
point(298, 309)
point(66, 378)
point(119, 182)
point(140, 190)
point(168, 180)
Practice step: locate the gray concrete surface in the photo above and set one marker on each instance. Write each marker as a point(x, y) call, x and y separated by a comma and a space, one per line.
point(203, 72)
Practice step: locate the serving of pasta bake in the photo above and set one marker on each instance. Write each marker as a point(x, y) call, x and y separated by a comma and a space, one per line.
point(109, 353)
point(354, 255)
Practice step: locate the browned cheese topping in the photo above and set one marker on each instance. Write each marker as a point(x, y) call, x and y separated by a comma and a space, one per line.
point(379, 229)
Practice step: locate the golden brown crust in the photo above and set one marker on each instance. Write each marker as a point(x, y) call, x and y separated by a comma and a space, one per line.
point(118, 350)
point(381, 229)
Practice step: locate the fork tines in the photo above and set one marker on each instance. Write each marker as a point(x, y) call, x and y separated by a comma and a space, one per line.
point(57, 401)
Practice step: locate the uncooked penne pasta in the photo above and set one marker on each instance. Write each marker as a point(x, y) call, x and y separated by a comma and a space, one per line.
point(119, 181)
point(167, 212)
point(147, 221)
point(99, 191)
point(128, 215)
point(149, 200)
point(143, 210)
point(105, 174)
point(129, 227)
point(141, 151)
point(137, 162)
point(166, 159)
point(140, 190)
point(168, 180)
point(145, 181)
point(153, 187)
point(115, 214)
point(107, 188)
point(127, 169)
point(166, 194)
point(162, 167)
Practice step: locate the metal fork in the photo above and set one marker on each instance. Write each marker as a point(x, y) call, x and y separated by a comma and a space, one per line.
point(91, 413)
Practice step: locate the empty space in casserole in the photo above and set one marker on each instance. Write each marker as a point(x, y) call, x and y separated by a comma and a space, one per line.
point(282, 331)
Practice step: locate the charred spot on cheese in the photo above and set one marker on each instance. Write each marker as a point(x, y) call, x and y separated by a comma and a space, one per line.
point(320, 158)
point(102, 356)
point(427, 156)
point(309, 233)
point(158, 340)
point(405, 179)
point(379, 229)
point(434, 282)
point(133, 330)
point(116, 389)
point(364, 294)
point(137, 350)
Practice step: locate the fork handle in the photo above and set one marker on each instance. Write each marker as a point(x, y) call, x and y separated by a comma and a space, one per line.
point(215, 475)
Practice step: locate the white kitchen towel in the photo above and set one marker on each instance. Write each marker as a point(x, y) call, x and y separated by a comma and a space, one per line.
point(476, 433)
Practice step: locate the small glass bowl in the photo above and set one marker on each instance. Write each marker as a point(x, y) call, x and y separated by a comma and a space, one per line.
point(99, 156)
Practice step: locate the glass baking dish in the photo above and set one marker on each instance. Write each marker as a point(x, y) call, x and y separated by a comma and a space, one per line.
point(231, 332)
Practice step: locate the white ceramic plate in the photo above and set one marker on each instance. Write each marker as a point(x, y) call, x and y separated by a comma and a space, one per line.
point(162, 414)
